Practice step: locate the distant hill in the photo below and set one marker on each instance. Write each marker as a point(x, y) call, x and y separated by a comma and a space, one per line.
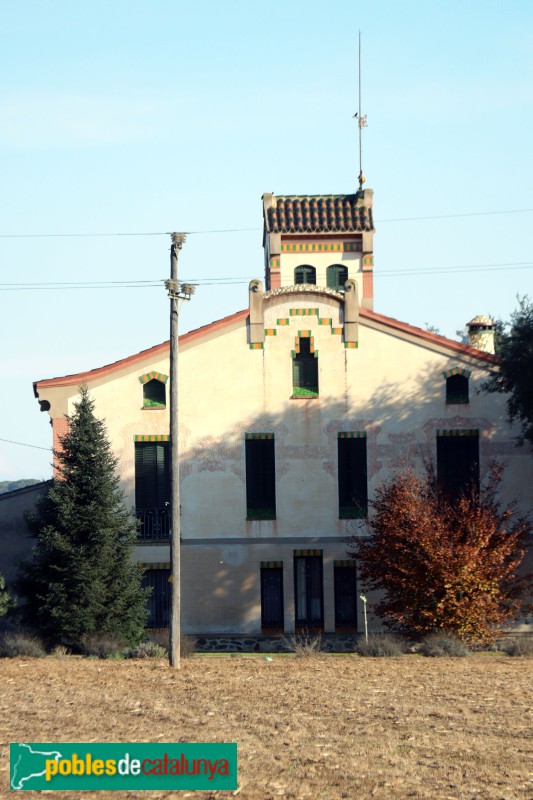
point(10, 486)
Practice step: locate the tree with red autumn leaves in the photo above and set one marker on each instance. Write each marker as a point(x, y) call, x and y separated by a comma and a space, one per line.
point(441, 563)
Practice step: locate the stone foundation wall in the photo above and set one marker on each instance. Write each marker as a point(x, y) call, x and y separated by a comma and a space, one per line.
point(332, 643)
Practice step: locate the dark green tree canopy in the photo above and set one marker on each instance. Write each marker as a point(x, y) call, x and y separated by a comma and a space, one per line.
point(514, 348)
point(82, 580)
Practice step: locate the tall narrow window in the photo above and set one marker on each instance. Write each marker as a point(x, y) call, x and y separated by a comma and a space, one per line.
point(458, 462)
point(353, 489)
point(337, 275)
point(260, 476)
point(154, 394)
point(272, 596)
point(305, 370)
point(308, 591)
point(152, 489)
point(345, 595)
point(159, 601)
point(305, 274)
point(457, 389)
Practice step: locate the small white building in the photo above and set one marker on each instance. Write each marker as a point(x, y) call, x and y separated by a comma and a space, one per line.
point(292, 412)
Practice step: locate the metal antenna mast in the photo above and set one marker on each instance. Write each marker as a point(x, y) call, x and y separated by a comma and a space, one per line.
point(361, 120)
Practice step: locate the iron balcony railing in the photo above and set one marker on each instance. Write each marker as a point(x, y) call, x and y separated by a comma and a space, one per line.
point(154, 523)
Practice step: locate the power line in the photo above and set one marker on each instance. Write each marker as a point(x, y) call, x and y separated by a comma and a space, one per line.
point(25, 444)
point(453, 216)
point(104, 235)
point(78, 283)
point(76, 235)
point(244, 230)
point(239, 280)
point(66, 288)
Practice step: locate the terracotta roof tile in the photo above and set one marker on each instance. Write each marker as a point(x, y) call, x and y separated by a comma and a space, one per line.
point(319, 214)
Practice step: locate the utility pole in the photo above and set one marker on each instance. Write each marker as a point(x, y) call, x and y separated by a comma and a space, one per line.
point(176, 293)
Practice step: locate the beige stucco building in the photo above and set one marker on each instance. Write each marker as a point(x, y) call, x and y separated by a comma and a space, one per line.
point(292, 412)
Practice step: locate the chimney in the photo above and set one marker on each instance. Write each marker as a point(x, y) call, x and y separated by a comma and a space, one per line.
point(481, 333)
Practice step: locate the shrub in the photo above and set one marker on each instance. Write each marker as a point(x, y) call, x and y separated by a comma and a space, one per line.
point(521, 647)
point(303, 645)
point(101, 645)
point(442, 561)
point(145, 650)
point(187, 646)
point(13, 645)
point(161, 637)
point(5, 599)
point(380, 645)
point(60, 651)
point(443, 644)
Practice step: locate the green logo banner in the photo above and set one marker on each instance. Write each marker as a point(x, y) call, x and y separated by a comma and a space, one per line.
point(93, 766)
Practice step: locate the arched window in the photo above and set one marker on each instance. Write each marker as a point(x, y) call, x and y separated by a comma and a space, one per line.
point(154, 394)
point(457, 389)
point(337, 275)
point(305, 274)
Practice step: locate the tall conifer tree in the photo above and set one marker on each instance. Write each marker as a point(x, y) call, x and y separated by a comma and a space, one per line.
point(82, 580)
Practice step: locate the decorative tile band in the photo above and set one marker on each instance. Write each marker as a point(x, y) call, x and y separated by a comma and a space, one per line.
point(347, 562)
point(150, 376)
point(271, 564)
point(336, 331)
point(368, 261)
point(458, 432)
point(456, 371)
point(305, 334)
point(258, 436)
point(325, 321)
point(256, 346)
point(303, 312)
point(307, 552)
point(351, 435)
point(283, 321)
point(152, 437)
point(270, 332)
point(351, 345)
point(155, 564)
point(323, 247)
point(274, 263)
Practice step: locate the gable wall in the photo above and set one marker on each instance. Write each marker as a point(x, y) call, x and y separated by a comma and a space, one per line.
point(391, 386)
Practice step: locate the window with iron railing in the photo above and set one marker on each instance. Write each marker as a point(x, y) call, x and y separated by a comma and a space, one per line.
point(152, 489)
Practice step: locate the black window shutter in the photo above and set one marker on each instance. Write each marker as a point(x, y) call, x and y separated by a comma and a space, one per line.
point(260, 477)
point(152, 475)
point(353, 483)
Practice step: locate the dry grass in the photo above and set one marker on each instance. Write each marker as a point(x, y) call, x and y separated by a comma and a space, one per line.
point(328, 727)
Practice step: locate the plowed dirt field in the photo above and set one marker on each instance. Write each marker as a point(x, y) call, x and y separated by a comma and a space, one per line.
point(325, 727)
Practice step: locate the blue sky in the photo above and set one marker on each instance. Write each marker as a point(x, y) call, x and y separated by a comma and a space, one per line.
point(136, 117)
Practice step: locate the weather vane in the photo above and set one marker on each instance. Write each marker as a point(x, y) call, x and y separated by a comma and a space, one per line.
point(361, 121)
